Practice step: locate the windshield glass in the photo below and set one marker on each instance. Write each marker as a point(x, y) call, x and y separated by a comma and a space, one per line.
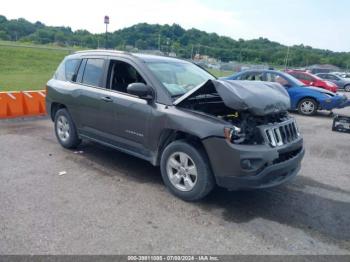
point(179, 77)
point(292, 79)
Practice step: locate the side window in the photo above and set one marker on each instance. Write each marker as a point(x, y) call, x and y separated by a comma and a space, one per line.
point(253, 76)
point(296, 75)
point(80, 73)
point(71, 68)
point(330, 77)
point(270, 77)
point(93, 72)
point(277, 79)
point(306, 77)
point(67, 69)
point(121, 74)
point(59, 74)
point(241, 77)
point(300, 76)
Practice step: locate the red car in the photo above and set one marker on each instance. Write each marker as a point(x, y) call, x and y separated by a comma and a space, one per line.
point(312, 80)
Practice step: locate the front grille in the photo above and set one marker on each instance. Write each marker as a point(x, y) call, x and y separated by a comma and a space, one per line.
point(281, 133)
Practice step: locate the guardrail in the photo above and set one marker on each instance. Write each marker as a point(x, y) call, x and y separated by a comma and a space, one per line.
point(22, 104)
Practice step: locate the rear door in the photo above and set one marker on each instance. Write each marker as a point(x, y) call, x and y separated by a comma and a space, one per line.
point(91, 80)
point(65, 88)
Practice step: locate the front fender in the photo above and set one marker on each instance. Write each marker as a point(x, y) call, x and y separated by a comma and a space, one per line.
point(337, 101)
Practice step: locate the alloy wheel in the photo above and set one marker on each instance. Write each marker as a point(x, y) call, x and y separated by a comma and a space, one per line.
point(63, 128)
point(181, 171)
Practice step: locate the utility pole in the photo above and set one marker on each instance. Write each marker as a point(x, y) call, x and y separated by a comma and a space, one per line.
point(159, 41)
point(106, 20)
point(192, 53)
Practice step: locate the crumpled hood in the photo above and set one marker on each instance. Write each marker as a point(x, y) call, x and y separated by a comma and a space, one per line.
point(259, 98)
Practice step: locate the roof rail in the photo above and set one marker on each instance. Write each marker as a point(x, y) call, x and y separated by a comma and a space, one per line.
point(102, 51)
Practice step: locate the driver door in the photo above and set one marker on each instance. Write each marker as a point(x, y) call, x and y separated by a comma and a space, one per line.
point(130, 114)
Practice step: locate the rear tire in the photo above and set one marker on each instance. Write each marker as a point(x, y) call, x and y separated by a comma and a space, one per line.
point(65, 130)
point(186, 172)
point(347, 88)
point(307, 106)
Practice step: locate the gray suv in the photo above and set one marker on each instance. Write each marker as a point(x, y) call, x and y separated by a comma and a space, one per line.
point(342, 83)
point(201, 131)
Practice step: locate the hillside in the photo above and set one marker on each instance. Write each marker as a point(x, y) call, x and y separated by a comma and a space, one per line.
point(174, 38)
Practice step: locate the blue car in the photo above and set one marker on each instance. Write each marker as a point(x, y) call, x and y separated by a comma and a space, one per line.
point(306, 99)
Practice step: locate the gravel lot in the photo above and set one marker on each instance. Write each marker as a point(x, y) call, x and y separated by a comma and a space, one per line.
point(111, 203)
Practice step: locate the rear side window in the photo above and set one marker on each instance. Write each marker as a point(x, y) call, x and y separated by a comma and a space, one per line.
point(67, 69)
point(93, 72)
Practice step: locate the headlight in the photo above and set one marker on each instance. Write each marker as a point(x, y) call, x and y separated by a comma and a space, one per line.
point(233, 135)
point(329, 98)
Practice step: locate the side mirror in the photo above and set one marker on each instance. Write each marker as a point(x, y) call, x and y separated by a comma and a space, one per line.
point(141, 90)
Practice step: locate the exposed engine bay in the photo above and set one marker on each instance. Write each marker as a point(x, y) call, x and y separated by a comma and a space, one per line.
point(244, 124)
point(243, 105)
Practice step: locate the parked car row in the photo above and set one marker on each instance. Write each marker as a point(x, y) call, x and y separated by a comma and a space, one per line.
point(306, 99)
point(329, 81)
point(342, 74)
point(342, 83)
point(313, 80)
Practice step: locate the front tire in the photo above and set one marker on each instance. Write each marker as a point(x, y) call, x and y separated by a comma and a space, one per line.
point(65, 130)
point(307, 106)
point(186, 172)
point(347, 88)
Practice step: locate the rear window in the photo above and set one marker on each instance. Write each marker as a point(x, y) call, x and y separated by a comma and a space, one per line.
point(93, 72)
point(67, 69)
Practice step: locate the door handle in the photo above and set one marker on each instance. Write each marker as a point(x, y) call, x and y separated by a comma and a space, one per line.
point(107, 99)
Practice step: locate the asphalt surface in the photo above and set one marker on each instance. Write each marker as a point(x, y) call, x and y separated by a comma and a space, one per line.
point(112, 203)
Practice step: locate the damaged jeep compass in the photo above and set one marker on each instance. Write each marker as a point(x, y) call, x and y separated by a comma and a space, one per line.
point(201, 131)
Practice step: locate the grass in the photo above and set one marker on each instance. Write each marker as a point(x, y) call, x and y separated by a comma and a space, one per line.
point(27, 68)
point(220, 73)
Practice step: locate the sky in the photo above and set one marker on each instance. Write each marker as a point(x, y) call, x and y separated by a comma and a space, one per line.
point(318, 23)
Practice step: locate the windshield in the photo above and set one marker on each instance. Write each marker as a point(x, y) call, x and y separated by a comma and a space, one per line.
point(179, 77)
point(292, 79)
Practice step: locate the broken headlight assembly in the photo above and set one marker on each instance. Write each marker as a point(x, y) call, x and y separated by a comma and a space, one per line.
point(234, 135)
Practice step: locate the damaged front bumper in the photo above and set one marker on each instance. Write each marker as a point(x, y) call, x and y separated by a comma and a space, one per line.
point(253, 166)
point(338, 101)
